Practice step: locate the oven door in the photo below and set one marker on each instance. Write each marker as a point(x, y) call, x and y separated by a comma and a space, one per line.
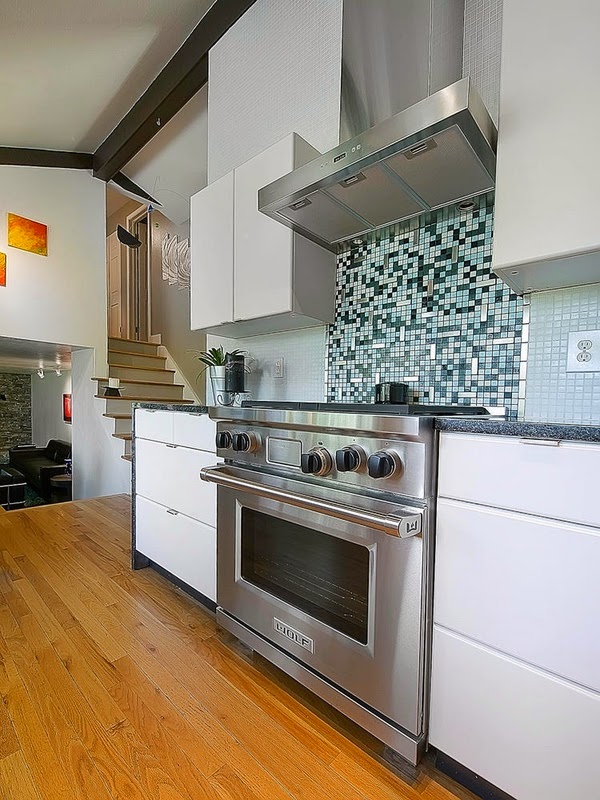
point(334, 579)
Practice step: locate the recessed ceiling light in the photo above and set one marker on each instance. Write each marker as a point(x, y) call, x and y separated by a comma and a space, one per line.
point(358, 241)
point(467, 205)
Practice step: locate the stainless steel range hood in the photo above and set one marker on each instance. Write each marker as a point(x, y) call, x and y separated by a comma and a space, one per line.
point(440, 148)
point(440, 151)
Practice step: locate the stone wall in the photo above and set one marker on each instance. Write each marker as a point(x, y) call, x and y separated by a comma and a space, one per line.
point(15, 412)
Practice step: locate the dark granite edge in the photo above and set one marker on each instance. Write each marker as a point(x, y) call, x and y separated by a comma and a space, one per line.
point(189, 408)
point(531, 430)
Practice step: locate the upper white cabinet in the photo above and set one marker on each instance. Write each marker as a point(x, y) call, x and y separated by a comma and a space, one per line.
point(211, 292)
point(546, 232)
point(251, 274)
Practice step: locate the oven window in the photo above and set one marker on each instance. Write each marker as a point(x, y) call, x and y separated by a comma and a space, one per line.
point(326, 577)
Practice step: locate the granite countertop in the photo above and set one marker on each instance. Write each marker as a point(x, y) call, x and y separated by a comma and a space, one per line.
point(189, 408)
point(523, 429)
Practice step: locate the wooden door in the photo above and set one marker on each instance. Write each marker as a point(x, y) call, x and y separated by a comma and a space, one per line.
point(115, 262)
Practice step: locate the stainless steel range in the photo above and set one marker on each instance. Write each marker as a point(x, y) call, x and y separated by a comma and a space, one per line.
point(325, 552)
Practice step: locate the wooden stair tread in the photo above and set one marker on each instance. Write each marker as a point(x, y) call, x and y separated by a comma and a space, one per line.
point(147, 369)
point(118, 416)
point(134, 341)
point(136, 399)
point(125, 436)
point(130, 353)
point(143, 383)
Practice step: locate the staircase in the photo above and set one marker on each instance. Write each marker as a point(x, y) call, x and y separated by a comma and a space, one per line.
point(143, 376)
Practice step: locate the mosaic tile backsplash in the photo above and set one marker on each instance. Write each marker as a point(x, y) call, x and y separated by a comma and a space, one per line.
point(418, 303)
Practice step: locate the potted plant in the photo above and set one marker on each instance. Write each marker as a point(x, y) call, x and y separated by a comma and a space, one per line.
point(214, 361)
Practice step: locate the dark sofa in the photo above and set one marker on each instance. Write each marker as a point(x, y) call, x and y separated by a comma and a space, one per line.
point(39, 464)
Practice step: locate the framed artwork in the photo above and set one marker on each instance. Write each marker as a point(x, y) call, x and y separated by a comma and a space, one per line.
point(25, 234)
point(2, 269)
point(67, 409)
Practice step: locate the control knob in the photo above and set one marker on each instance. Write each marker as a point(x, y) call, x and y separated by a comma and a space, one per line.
point(224, 440)
point(245, 442)
point(317, 461)
point(383, 464)
point(350, 459)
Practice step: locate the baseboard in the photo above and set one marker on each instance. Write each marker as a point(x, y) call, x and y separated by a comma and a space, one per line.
point(185, 587)
point(469, 779)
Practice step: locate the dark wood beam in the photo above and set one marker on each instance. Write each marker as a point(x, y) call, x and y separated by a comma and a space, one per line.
point(29, 157)
point(184, 75)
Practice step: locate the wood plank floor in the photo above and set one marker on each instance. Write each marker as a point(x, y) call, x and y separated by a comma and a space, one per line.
point(116, 685)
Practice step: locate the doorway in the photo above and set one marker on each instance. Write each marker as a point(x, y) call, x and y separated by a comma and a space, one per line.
point(139, 276)
point(128, 280)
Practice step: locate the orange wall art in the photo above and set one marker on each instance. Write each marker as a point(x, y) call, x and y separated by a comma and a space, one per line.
point(25, 234)
point(2, 269)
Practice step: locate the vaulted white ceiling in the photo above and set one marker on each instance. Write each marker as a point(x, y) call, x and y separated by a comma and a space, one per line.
point(71, 69)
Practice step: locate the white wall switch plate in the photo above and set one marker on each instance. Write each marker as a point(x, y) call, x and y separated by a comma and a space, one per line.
point(583, 353)
point(279, 370)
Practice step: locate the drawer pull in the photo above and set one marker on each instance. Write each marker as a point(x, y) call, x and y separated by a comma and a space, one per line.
point(172, 511)
point(172, 446)
point(541, 442)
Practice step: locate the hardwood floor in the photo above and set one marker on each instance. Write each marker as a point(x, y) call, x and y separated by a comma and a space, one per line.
point(116, 685)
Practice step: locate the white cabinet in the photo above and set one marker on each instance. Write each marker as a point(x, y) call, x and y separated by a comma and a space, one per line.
point(515, 673)
point(548, 171)
point(263, 278)
point(156, 425)
point(536, 584)
point(550, 478)
point(170, 475)
point(194, 430)
point(182, 545)
point(211, 289)
point(175, 524)
point(528, 732)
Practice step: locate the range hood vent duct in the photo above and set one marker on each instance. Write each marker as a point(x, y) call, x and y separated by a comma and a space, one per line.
point(438, 151)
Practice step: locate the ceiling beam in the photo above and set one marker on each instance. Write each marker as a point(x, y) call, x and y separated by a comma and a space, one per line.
point(30, 157)
point(183, 76)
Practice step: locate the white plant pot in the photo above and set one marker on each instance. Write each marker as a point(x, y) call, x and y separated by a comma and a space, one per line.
point(217, 382)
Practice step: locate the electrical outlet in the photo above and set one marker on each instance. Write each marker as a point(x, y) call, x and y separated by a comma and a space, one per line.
point(279, 370)
point(583, 353)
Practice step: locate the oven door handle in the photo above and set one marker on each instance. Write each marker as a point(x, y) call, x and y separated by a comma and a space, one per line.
point(403, 525)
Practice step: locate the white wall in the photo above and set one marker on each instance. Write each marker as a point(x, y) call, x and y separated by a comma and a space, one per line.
point(58, 298)
point(98, 468)
point(47, 408)
point(62, 299)
point(277, 70)
point(304, 365)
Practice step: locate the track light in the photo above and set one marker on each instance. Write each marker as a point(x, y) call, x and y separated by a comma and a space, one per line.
point(58, 371)
point(40, 373)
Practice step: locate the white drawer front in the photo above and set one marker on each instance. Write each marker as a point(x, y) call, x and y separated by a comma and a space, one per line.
point(559, 482)
point(171, 476)
point(532, 735)
point(194, 430)
point(183, 546)
point(156, 425)
point(524, 585)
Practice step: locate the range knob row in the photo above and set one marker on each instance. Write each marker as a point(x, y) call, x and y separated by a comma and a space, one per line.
point(239, 442)
point(319, 460)
point(382, 464)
